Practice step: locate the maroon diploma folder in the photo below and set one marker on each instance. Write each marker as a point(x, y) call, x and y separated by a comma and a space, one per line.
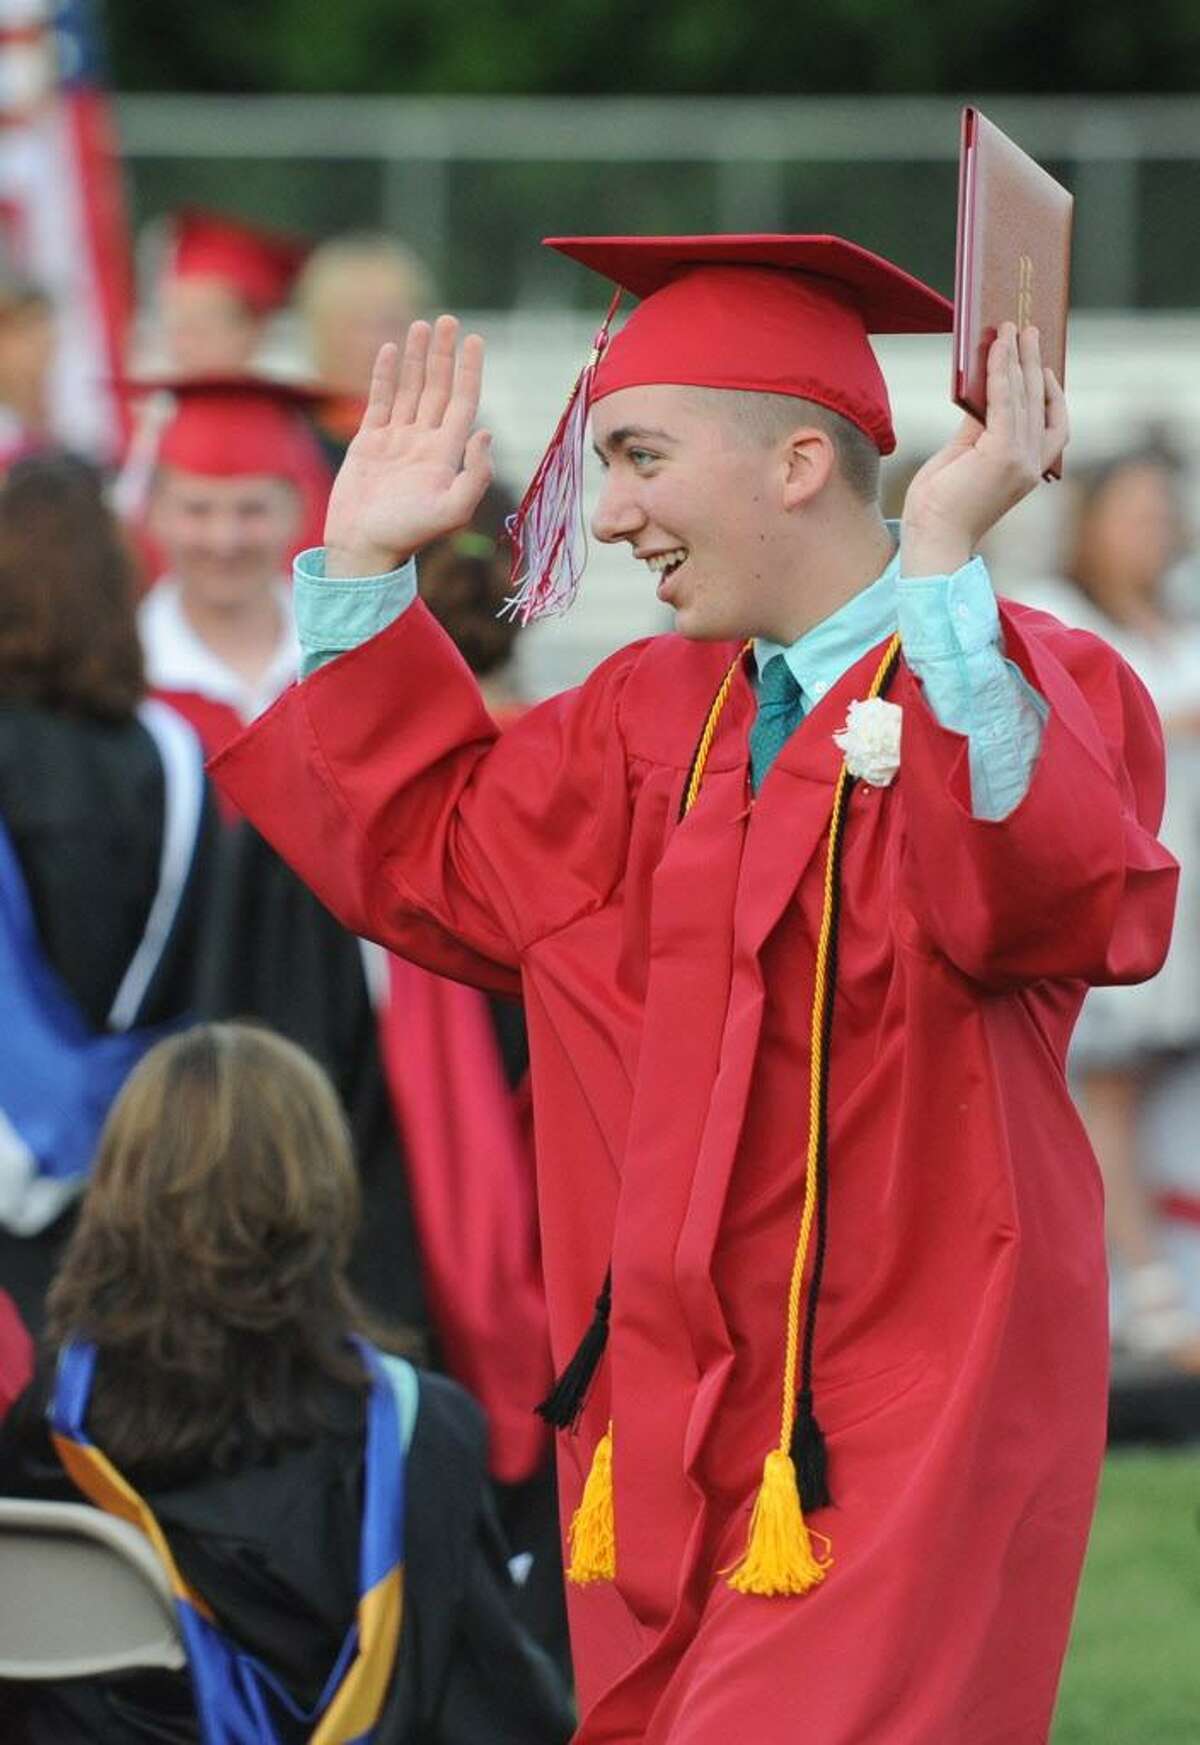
point(1013, 257)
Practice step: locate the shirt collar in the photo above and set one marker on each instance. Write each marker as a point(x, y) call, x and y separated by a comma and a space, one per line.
point(178, 660)
point(818, 659)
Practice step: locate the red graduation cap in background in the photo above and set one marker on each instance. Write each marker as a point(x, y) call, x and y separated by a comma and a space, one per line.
point(261, 266)
point(230, 426)
point(770, 314)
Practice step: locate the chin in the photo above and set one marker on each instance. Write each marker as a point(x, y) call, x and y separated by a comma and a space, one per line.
point(697, 625)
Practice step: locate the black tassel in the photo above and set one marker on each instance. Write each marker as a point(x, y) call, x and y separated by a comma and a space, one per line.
point(808, 1455)
point(564, 1403)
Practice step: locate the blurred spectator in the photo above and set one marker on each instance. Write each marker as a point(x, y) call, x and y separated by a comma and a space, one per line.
point(224, 509)
point(206, 1281)
point(27, 340)
point(1126, 536)
point(356, 292)
point(222, 282)
point(105, 831)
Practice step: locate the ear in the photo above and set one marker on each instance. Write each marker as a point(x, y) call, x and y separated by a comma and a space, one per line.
point(809, 462)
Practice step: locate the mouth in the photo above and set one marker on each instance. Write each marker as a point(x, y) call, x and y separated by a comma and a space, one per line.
point(664, 565)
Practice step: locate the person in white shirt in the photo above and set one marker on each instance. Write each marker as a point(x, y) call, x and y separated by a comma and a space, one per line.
point(226, 503)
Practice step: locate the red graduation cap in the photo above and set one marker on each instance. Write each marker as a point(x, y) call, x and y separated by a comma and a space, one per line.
point(770, 314)
point(229, 426)
point(259, 265)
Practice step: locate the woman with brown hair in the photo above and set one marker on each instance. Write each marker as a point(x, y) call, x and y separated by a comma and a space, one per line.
point(105, 831)
point(234, 1389)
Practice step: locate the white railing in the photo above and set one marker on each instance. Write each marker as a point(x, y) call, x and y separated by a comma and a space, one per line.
point(747, 145)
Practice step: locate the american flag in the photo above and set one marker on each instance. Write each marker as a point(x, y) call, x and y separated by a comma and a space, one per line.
point(62, 214)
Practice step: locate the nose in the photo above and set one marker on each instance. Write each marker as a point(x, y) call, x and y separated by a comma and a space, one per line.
point(223, 536)
point(617, 514)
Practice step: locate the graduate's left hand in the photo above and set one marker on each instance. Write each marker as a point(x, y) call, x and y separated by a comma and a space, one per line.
point(964, 489)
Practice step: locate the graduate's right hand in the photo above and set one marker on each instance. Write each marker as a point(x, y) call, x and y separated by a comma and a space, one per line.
point(417, 468)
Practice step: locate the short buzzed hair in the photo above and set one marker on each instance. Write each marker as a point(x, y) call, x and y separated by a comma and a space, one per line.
point(768, 418)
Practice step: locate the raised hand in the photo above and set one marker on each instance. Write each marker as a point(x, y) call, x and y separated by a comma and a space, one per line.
point(966, 487)
point(417, 467)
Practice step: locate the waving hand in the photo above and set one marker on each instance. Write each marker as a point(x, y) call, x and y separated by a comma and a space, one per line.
point(417, 468)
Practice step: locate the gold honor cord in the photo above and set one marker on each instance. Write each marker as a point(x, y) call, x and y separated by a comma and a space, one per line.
point(691, 792)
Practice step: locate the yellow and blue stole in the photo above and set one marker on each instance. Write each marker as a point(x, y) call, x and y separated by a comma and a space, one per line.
point(237, 1698)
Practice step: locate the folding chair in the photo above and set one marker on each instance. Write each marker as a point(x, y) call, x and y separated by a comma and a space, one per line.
point(81, 1593)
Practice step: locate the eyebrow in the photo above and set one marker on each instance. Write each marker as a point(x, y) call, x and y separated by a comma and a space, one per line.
point(630, 433)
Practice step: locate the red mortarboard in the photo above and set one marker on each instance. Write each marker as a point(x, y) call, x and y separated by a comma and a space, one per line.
point(229, 426)
point(770, 314)
point(259, 265)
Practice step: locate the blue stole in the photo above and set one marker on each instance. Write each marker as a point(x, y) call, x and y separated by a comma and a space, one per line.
point(237, 1698)
point(58, 1077)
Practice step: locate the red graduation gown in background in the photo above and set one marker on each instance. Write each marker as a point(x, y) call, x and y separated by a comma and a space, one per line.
point(961, 1354)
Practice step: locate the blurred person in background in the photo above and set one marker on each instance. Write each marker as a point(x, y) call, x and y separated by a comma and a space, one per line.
point(27, 340)
point(207, 1342)
point(221, 283)
point(106, 833)
point(224, 509)
point(355, 293)
point(1126, 535)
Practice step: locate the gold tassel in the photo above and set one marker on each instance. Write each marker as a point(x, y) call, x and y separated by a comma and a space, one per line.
point(779, 1556)
point(592, 1533)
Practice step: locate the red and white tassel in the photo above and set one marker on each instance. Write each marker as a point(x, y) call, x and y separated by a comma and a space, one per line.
point(549, 542)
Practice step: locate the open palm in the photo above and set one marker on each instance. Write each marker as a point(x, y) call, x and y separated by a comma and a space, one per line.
point(417, 468)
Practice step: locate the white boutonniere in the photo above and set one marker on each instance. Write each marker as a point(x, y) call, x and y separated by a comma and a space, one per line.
point(870, 740)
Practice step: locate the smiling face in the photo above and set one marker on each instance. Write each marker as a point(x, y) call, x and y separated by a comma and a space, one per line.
point(708, 507)
point(225, 539)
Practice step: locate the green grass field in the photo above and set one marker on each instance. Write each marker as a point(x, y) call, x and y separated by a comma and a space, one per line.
point(1133, 1669)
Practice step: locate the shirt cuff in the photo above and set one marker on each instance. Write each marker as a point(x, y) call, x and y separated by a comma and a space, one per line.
point(334, 615)
point(946, 617)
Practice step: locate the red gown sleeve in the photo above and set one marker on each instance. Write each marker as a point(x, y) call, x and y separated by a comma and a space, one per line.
point(383, 782)
point(1073, 883)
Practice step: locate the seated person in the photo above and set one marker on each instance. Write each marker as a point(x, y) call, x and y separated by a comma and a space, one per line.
point(210, 1351)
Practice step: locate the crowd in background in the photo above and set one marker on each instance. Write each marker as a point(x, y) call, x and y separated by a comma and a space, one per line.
point(144, 620)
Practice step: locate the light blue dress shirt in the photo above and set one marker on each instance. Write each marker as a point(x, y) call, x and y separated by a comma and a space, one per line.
point(949, 628)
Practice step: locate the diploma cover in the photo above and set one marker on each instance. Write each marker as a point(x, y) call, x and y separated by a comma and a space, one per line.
point(1012, 258)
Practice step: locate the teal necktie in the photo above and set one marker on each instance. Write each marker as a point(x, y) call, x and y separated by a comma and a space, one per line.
point(780, 709)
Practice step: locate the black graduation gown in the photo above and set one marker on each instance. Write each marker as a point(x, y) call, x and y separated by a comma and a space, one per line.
point(83, 802)
point(273, 1547)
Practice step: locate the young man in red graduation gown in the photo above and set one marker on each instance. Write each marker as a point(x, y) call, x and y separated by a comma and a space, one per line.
point(797, 1046)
